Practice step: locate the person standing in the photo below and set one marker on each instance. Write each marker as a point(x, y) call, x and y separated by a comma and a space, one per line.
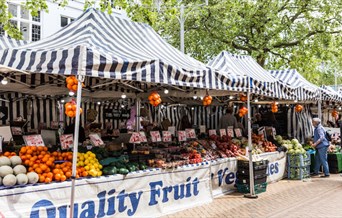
point(321, 144)
point(228, 119)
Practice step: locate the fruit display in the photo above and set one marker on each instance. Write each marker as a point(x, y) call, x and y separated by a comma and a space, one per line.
point(226, 146)
point(72, 83)
point(274, 107)
point(13, 173)
point(334, 114)
point(243, 111)
point(243, 97)
point(70, 109)
point(8, 154)
point(90, 163)
point(298, 108)
point(154, 99)
point(207, 100)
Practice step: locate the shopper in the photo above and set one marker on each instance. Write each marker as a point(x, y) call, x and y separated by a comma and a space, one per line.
point(321, 144)
point(228, 119)
point(240, 125)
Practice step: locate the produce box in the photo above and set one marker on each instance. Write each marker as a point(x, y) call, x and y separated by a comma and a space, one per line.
point(298, 173)
point(335, 162)
point(257, 165)
point(244, 179)
point(258, 188)
point(299, 160)
point(258, 170)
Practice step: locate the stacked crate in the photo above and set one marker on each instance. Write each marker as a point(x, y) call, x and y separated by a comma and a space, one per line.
point(259, 173)
point(298, 166)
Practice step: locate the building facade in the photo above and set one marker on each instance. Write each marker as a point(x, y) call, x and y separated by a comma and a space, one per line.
point(46, 23)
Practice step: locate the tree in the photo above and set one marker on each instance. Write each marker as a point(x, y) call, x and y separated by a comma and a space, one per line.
point(299, 34)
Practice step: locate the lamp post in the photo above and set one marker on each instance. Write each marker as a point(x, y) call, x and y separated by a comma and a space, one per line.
point(182, 18)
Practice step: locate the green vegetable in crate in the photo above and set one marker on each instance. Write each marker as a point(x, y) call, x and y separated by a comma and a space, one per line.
point(142, 166)
point(131, 168)
point(123, 171)
point(108, 161)
point(110, 170)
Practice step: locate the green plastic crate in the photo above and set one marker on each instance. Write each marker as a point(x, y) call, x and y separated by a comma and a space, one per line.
point(299, 160)
point(258, 188)
point(298, 173)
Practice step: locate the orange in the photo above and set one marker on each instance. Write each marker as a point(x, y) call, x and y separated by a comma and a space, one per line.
point(27, 162)
point(74, 88)
point(29, 151)
point(57, 177)
point(57, 166)
point(74, 107)
point(23, 150)
point(49, 163)
point(69, 80)
point(65, 169)
point(35, 166)
point(48, 180)
point(45, 148)
point(55, 171)
point(68, 174)
point(38, 170)
point(69, 86)
point(63, 178)
point(84, 173)
point(55, 153)
point(49, 174)
point(45, 159)
point(30, 169)
point(41, 178)
point(43, 167)
point(70, 113)
point(31, 163)
point(40, 148)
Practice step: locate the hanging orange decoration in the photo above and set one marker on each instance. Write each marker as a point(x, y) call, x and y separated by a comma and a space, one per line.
point(243, 111)
point(72, 83)
point(207, 100)
point(243, 97)
point(154, 99)
point(334, 114)
point(274, 107)
point(298, 108)
point(70, 109)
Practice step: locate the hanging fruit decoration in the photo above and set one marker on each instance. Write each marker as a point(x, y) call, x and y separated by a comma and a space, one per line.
point(207, 100)
point(274, 107)
point(298, 108)
point(243, 97)
point(154, 99)
point(243, 111)
point(72, 83)
point(70, 109)
point(334, 114)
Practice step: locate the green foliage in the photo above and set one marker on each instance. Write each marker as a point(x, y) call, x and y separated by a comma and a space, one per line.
point(299, 34)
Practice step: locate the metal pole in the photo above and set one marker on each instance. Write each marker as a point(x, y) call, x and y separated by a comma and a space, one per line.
point(181, 21)
point(75, 148)
point(250, 146)
point(335, 80)
point(137, 121)
point(319, 105)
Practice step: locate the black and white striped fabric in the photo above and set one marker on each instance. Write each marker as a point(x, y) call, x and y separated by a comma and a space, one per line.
point(304, 90)
point(109, 46)
point(6, 42)
point(329, 94)
point(299, 125)
point(242, 66)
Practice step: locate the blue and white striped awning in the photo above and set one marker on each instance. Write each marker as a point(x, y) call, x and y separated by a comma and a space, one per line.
point(329, 94)
point(6, 42)
point(108, 46)
point(304, 90)
point(243, 66)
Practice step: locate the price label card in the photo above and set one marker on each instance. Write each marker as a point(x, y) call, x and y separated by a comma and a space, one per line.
point(181, 136)
point(67, 141)
point(190, 133)
point(223, 132)
point(202, 129)
point(135, 138)
point(95, 139)
point(172, 129)
point(143, 137)
point(230, 131)
point(167, 137)
point(212, 132)
point(155, 136)
point(238, 132)
point(34, 140)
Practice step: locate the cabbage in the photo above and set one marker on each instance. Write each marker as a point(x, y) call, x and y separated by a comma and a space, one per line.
point(291, 151)
point(299, 146)
point(294, 141)
point(290, 146)
point(303, 151)
point(278, 138)
point(298, 151)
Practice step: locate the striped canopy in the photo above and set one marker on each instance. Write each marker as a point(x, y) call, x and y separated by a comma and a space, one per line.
point(329, 94)
point(304, 89)
point(242, 66)
point(109, 46)
point(6, 42)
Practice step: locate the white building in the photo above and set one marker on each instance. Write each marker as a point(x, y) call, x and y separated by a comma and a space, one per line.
point(47, 23)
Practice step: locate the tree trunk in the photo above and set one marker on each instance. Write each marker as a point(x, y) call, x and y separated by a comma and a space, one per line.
point(261, 60)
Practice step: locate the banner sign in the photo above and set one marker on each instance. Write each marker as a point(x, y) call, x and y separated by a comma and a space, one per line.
point(144, 194)
point(276, 165)
point(223, 175)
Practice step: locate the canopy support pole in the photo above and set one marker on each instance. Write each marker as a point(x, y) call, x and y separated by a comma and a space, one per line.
point(75, 148)
point(319, 106)
point(250, 146)
point(137, 121)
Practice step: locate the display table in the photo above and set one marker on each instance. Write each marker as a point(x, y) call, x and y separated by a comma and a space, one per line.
point(335, 162)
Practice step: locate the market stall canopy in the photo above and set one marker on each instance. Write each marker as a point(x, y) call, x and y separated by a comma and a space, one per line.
point(243, 66)
point(304, 89)
point(109, 46)
point(329, 94)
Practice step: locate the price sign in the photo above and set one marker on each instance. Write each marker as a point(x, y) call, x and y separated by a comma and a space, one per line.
point(212, 132)
point(155, 136)
point(172, 129)
point(33, 140)
point(96, 139)
point(238, 132)
point(135, 138)
point(181, 136)
point(223, 132)
point(67, 141)
point(167, 137)
point(230, 131)
point(202, 129)
point(143, 137)
point(190, 133)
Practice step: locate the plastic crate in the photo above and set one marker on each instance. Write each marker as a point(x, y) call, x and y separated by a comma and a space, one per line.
point(258, 188)
point(298, 173)
point(299, 160)
point(243, 179)
point(260, 170)
point(257, 165)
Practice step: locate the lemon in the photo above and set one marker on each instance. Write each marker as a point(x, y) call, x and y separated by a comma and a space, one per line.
point(86, 162)
point(99, 173)
point(87, 168)
point(100, 167)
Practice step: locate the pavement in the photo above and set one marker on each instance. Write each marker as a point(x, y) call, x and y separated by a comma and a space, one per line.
point(315, 197)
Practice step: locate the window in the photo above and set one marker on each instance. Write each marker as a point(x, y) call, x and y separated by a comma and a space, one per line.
point(29, 26)
point(66, 20)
